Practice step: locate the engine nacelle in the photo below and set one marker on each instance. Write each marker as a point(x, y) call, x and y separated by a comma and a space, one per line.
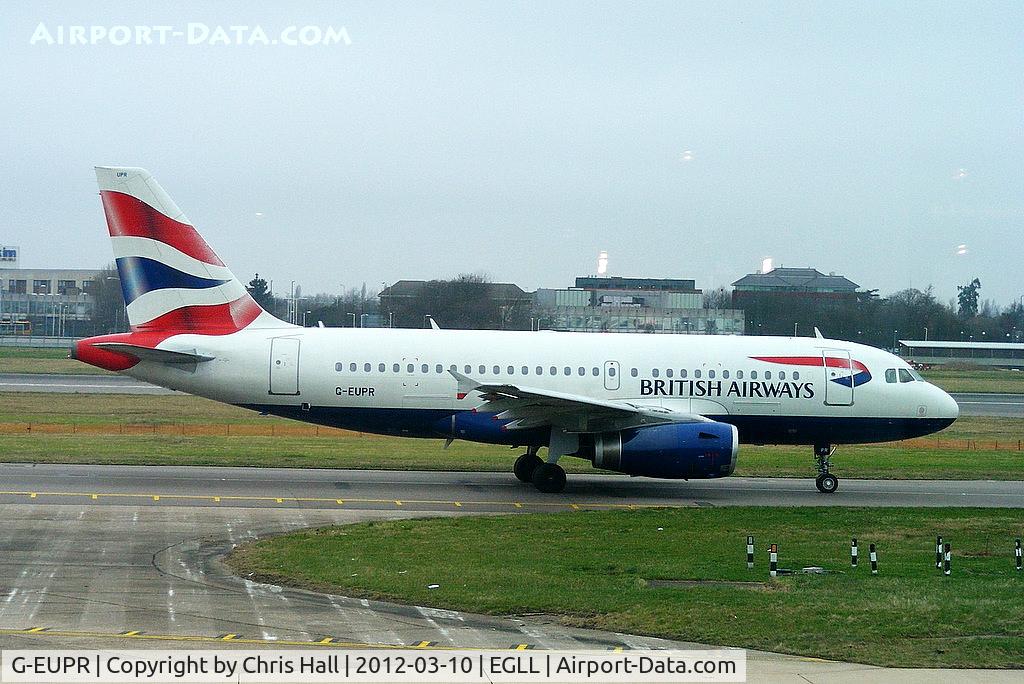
point(673, 451)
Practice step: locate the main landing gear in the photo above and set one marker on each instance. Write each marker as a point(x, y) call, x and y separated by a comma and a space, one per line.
point(547, 476)
point(825, 482)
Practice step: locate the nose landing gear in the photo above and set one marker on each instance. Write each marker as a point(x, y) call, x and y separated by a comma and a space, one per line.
point(825, 482)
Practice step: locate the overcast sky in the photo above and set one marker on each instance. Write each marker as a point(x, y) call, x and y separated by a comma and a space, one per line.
point(520, 139)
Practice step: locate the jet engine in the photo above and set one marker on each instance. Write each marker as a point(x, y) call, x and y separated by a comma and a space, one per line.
point(673, 451)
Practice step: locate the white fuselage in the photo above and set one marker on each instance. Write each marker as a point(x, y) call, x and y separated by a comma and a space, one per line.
point(399, 380)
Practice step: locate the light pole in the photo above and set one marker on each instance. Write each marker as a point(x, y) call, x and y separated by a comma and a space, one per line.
point(926, 334)
point(362, 320)
point(894, 347)
point(291, 303)
point(353, 315)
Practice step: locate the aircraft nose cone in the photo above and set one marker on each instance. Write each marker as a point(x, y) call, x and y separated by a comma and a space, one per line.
point(947, 406)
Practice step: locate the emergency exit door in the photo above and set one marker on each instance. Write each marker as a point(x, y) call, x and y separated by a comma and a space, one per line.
point(284, 365)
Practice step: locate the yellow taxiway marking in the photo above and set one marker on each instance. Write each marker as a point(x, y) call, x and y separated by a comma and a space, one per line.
point(233, 638)
point(579, 505)
point(522, 647)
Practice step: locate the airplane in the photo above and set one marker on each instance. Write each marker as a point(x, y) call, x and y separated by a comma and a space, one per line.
point(662, 406)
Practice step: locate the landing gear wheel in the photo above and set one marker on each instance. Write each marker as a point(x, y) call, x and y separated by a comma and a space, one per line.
point(525, 466)
point(827, 483)
point(549, 478)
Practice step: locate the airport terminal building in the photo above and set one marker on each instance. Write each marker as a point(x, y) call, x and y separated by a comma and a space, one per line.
point(53, 302)
point(615, 304)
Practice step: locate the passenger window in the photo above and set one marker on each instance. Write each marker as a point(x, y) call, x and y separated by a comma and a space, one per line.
point(410, 368)
point(633, 372)
point(767, 375)
point(725, 374)
point(696, 373)
point(581, 371)
point(611, 371)
point(497, 369)
point(890, 375)
point(482, 369)
point(366, 367)
point(796, 375)
point(396, 368)
point(905, 375)
point(540, 370)
point(468, 369)
point(782, 375)
point(739, 375)
point(453, 367)
point(597, 371)
point(352, 367)
point(425, 368)
point(682, 373)
point(440, 368)
point(668, 372)
point(554, 371)
point(338, 366)
point(711, 374)
point(526, 370)
point(654, 373)
point(753, 375)
point(567, 370)
point(381, 367)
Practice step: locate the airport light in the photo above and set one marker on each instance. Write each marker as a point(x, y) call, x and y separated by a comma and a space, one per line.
point(353, 315)
point(362, 320)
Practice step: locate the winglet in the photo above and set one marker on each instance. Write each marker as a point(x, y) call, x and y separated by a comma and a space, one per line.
point(817, 333)
point(466, 384)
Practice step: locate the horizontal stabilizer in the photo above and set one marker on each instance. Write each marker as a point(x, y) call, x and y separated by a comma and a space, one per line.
point(150, 354)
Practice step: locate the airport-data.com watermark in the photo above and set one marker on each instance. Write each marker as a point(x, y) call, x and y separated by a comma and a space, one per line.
point(189, 34)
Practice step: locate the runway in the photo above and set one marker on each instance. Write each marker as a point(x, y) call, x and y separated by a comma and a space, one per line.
point(971, 404)
point(419, 491)
point(70, 384)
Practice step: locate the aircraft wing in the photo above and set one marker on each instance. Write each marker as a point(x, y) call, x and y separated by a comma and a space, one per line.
point(529, 408)
point(150, 354)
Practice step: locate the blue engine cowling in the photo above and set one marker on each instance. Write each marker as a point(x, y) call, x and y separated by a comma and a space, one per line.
point(673, 451)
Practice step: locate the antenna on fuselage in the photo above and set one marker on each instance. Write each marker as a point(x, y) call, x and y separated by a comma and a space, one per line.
point(817, 333)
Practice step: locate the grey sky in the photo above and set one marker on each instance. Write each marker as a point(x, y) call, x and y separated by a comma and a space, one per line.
point(519, 139)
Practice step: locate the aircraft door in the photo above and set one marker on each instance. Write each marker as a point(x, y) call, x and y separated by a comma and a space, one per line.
point(611, 375)
point(284, 365)
point(838, 377)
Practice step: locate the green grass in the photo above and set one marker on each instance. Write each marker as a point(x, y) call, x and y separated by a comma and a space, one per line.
point(1002, 381)
point(592, 569)
point(44, 361)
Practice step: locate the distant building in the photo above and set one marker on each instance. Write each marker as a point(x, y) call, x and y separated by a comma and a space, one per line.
point(506, 294)
point(793, 282)
point(45, 301)
point(614, 304)
point(941, 353)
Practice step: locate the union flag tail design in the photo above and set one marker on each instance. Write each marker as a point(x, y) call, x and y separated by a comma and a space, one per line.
point(171, 279)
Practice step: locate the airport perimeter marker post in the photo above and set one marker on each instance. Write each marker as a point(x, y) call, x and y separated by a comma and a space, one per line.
point(773, 560)
point(948, 556)
point(750, 551)
point(853, 553)
point(938, 553)
point(874, 559)
point(1017, 551)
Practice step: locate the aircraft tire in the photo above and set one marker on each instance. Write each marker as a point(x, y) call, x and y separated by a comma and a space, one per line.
point(525, 466)
point(549, 478)
point(827, 483)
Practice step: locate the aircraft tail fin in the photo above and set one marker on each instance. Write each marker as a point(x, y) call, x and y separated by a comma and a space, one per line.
point(170, 277)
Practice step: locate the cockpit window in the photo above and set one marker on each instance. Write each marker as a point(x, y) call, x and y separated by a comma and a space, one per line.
point(916, 375)
point(905, 375)
point(890, 375)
